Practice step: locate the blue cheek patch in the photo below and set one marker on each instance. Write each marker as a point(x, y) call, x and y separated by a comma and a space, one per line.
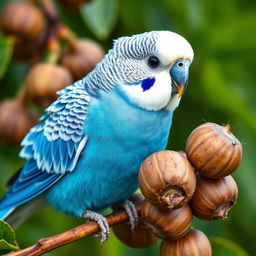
point(147, 83)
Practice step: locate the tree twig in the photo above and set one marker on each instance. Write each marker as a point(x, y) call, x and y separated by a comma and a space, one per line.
point(50, 243)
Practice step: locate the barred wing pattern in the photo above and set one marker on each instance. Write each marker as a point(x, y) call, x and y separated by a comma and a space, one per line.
point(52, 147)
point(57, 142)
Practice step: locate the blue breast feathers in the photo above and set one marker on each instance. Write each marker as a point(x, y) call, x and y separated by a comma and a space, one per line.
point(121, 136)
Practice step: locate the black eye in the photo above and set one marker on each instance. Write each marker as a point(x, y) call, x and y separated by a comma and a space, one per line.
point(153, 62)
point(180, 64)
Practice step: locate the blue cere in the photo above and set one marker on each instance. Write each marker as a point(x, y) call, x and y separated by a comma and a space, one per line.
point(147, 84)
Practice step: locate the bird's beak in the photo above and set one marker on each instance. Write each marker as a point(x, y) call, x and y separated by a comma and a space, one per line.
point(181, 90)
point(180, 74)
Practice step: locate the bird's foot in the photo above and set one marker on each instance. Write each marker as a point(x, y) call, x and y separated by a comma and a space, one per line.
point(101, 221)
point(131, 211)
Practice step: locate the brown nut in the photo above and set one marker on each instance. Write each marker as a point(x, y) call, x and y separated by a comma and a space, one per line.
point(169, 225)
point(167, 179)
point(194, 243)
point(213, 199)
point(44, 80)
point(22, 19)
point(81, 57)
point(73, 4)
point(213, 150)
point(140, 237)
point(15, 121)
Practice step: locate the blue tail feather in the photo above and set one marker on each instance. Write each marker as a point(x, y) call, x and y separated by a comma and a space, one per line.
point(30, 183)
point(5, 212)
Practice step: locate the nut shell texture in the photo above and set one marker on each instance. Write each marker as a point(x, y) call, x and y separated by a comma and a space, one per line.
point(44, 80)
point(22, 19)
point(213, 198)
point(213, 150)
point(140, 237)
point(167, 179)
point(81, 57)
point(169, 225)
point(15, 121)
point(194, 243)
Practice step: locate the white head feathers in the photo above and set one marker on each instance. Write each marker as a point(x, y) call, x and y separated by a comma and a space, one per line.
point(126, 67)
point(171, 47)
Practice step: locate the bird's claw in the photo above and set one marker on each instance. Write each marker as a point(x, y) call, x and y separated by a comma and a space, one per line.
point(102, 222)
point(132, 213)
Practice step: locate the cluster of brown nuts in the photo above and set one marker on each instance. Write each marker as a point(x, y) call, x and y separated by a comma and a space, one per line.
point(178, 185)
point(215, 153)
point(55, 58)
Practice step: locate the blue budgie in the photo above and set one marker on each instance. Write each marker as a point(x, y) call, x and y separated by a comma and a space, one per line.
point(85, 154)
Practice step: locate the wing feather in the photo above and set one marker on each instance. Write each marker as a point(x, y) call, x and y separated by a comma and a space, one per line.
point(52, 148)
point(54, 142)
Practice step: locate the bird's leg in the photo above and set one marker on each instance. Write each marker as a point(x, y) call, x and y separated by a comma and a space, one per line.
point(131, 211)
point(101, 221)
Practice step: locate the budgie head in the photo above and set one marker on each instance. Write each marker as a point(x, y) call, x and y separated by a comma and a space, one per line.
point(150, 70)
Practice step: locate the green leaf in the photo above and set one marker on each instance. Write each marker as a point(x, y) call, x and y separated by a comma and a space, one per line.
point(227, 95)
point(224, 247)
point(6, 46)
point(7, 238)
point(100, 16)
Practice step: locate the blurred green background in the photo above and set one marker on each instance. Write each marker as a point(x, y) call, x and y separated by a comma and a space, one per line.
point(222, 89)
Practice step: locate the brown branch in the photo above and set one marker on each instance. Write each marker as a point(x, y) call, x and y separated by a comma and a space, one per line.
point(50, 32)
point(50, 243)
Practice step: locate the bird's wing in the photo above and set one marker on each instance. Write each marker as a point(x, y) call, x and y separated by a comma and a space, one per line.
point(57, 142)
point(30, 183)
point(51, 148)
